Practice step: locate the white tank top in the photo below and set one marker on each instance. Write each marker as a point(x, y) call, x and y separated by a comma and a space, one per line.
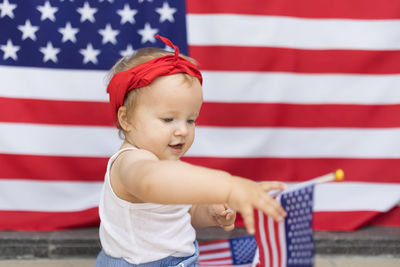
point(143, 232)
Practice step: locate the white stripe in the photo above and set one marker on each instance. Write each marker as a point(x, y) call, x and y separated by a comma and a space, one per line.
point(215, 255)
point(296, 142)
point(221, 86)
point(244, 30)
point(53, 84)
point(272, 241)
point(209, 247)
point(72, 196)
point(282, 243)
point(256, 259)
point(263, 237)
point(39, 139)
point(24, 195)
point(351, 196)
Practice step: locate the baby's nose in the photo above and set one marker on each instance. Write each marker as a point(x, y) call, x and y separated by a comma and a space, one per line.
point(181, 129)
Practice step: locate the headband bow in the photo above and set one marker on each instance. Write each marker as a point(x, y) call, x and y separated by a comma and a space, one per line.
point(144, 74)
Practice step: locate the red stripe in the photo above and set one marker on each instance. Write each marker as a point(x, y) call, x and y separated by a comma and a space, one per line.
point(299, 115)
point(273, 59)
point(342, 220)
point(47, 221)
point(213, 242)
point(348, 220)
point(59, 168)
point(229, 114)
point(357, 9)
point(391, 218)
point(212, 251)
point(53, 168)
point(55, 112)
point(302, 169)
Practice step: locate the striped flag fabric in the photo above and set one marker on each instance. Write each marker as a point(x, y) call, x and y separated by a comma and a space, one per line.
point(290, 242)
point(56, 130)
point(275, 244)
point(291, 90)
point(297, 89)
point(236, 251)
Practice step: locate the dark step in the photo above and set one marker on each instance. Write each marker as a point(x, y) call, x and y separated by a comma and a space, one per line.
point(371, 241)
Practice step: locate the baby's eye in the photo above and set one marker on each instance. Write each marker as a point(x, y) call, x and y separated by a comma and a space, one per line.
point(190, 121)
point(167, 119)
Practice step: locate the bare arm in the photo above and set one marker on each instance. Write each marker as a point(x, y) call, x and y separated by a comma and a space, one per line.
point(175, 182)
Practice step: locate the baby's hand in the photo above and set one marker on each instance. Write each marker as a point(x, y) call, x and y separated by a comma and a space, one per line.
point(247, 195)
point(223, 216)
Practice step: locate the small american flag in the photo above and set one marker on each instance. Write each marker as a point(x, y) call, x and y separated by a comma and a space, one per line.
point(290, 242)
point(237, 251)
point(284, 244)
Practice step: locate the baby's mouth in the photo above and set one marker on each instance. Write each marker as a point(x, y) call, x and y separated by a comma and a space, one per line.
point(177, 148)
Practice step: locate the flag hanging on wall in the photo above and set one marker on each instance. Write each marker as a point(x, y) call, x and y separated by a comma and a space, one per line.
point(297, 89)
point(291, 91)
point(56, 130)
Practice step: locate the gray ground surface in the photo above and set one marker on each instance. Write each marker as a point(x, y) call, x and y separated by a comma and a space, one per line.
point(373, 246)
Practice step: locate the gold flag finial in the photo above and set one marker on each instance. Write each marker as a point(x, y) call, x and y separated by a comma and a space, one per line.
point(339, 174)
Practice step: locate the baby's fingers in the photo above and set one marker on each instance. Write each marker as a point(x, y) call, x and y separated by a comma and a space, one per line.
point(272, 208)
point(229, 227)
point(219, 210)
point(248, 219)
point(229, 215)
point(267, 186)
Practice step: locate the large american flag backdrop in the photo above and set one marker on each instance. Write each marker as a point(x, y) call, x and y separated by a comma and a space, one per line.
point(292, 89)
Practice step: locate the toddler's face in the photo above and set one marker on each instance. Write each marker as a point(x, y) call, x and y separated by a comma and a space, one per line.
point(164, 115)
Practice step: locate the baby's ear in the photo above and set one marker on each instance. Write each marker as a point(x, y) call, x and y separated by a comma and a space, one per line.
point(123, 119)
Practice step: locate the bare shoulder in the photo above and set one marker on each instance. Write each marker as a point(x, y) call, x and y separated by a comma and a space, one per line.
point(135, 155)
point(124, 172)
point(129, 158)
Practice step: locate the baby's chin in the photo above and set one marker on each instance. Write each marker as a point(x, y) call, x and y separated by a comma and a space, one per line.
point(169, 157)
point(175, 157)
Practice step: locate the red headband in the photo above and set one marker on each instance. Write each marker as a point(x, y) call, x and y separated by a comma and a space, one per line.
point(144, 74)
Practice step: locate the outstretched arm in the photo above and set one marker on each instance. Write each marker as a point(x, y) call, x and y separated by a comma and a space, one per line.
point(176, 182)
point(170, 182)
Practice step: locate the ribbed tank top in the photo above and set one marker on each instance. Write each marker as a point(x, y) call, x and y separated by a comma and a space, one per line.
point(143, 232)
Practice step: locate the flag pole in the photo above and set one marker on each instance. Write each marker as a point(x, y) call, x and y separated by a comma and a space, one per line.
point(337, 175)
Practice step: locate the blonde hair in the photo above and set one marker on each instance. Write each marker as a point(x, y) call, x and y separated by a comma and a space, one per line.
point(141, 56)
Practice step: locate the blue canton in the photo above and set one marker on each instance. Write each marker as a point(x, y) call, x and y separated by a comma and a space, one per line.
point(85, 34)
point(243, 249)
point(298, 224)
